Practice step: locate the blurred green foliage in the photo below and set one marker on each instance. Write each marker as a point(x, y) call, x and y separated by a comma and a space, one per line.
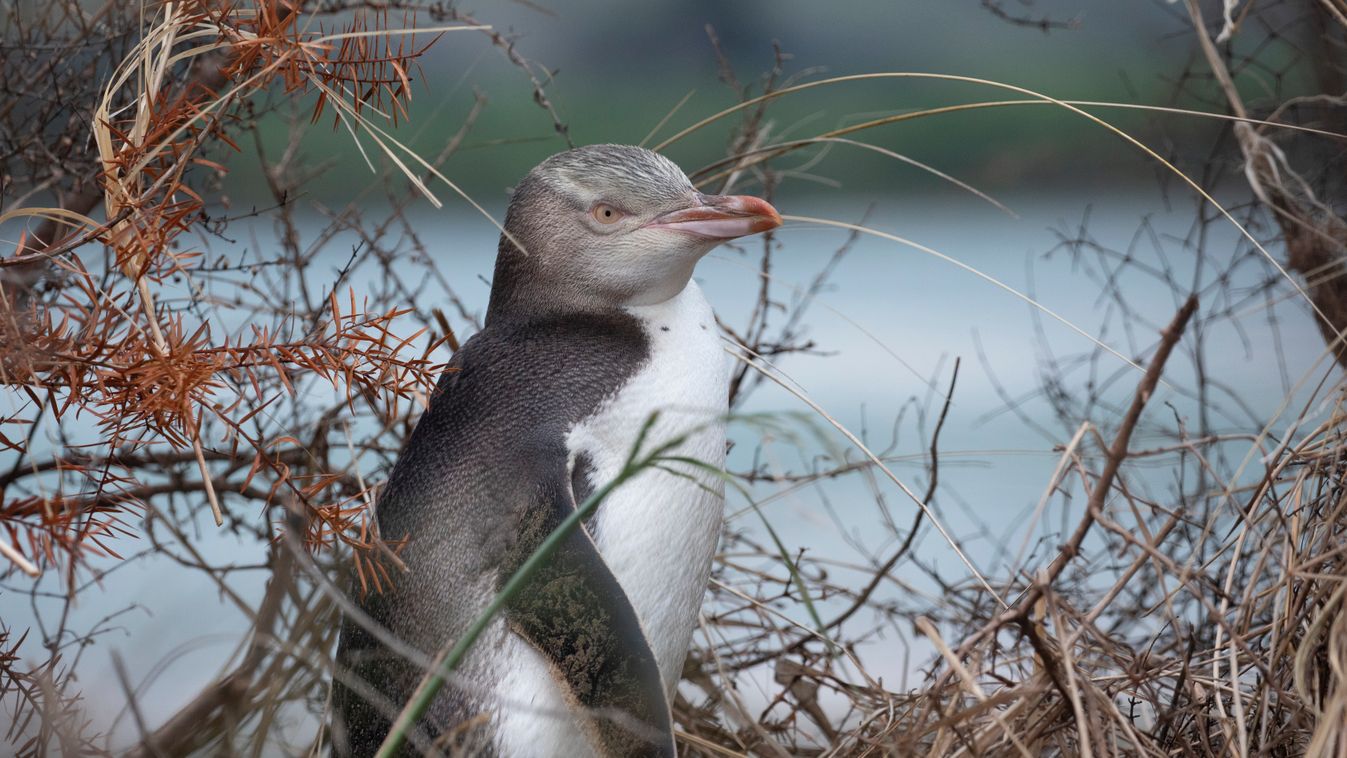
point(620, 68)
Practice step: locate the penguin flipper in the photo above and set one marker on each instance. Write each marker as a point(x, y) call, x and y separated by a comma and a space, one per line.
point(575, 613)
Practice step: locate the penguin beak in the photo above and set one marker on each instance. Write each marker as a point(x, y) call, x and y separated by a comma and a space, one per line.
point(721, 217)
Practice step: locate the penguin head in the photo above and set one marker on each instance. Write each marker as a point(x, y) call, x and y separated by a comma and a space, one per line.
point(609, 226)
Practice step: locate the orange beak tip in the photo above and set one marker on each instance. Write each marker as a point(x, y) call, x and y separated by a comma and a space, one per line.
point(723, 217)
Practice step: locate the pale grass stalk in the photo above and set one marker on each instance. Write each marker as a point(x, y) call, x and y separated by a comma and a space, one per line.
point(732, 176)
point(121, 77)
point(1148, 552)
point(707, 745)
point(365, 493)
point(928, 630)
point(1227, 495)
point(767, 609)
point(206, 478)
point(344, 114)
point(1248, 603)
point(1084, 742)
point(1053, 482)
point(886, 153)
point(405, 32)
point(152, 62)
point(1332, 726)
point(50, 214)
point(1023, 91)
point(735, 706)
point(1026, 697)
point(432, 170)
point(1339, 13)
point(660, 125)
point(383, 140)
point(1184, 112)
point(15, 557)
point(771, 151)
point(1325, 619)
point(1237, 693)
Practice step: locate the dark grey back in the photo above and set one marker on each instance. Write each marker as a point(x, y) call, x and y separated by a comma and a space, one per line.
point(487, 452)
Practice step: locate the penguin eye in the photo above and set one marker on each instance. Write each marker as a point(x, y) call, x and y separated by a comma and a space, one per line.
point(606, 214)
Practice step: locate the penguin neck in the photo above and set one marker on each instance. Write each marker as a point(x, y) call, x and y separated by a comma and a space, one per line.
point(525, 289)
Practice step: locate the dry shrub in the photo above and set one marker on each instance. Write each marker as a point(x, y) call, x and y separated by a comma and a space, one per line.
point(1204, 619)
point(148, 380)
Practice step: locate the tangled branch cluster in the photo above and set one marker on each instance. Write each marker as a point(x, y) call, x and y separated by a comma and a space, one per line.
point(141, 375)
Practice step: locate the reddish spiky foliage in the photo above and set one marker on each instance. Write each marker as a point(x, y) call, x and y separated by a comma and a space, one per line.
point(148, 384)
point(101, 346)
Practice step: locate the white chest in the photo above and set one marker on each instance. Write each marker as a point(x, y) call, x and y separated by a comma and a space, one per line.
point(658, 531)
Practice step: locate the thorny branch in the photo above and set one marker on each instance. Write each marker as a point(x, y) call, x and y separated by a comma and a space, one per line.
point(145, 376)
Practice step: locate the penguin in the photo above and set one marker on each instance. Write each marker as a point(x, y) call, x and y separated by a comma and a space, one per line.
point(594, 327)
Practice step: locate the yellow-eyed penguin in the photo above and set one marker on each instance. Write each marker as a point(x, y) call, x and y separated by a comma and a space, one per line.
point(592, 327)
